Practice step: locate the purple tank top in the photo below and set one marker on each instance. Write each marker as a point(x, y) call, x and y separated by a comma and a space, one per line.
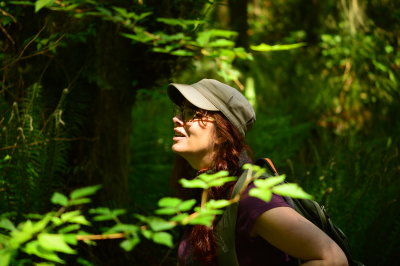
point(251, 251)
point(256, 251)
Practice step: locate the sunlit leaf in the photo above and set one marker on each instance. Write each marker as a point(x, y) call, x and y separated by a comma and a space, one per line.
point(85, 191)
point(218, 174)
point(129, 244)
point(195, 183)
point(169, 202)
point(80, 201)
point(187, 205)
point(163, 238)
point(158, 224)
point(179, 218)
point(204, 219)
point(70, 239)
point(217, 204)
point(139, 37)
point(222, 33)
point(39, 4)
point(69, 228)
point(221, 181)
point(7, 224)
point(147, 234)
point(269, 182)
point(222, 43)
point(182, 53)
point(263, 194)
point(65, 216)
point(279, 47)
point(59, 199)
point(179, 22)
point(33, 247)
point(54, 242)
point(291, 190)
point(128, 228)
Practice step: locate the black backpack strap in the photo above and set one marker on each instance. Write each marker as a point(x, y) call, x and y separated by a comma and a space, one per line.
point(225, 230)
point(266, 162)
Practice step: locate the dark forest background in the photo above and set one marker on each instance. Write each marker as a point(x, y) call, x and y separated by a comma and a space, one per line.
point(83, 102)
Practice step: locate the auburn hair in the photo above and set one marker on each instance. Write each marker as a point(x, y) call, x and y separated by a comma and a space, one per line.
point(231, 144)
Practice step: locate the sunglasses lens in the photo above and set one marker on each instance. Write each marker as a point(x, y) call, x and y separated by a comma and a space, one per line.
point(188, 114)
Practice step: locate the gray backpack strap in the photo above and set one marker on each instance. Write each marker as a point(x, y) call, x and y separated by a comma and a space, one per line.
point(225, 230)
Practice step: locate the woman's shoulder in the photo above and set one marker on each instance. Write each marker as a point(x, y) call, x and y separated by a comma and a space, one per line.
point(250, 207)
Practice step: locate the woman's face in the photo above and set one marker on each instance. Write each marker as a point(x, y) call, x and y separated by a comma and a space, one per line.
point(194, 137)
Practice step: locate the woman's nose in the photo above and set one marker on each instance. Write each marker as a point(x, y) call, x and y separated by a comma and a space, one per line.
point(177, 121)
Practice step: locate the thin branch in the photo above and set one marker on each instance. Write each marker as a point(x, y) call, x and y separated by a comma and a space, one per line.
point(100, 237)
point(7, 34)
point(5, 13)
point(23, 50)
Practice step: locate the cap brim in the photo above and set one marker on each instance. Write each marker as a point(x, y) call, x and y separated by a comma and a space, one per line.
point(178, 92)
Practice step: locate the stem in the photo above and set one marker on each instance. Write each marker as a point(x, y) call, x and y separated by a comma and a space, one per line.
point(100, 237)
point(204, 198)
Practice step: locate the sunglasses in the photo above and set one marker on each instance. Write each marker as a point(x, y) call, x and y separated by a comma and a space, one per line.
point(188, 114)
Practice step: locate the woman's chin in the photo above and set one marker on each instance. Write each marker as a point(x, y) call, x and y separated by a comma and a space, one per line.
point(176, 149)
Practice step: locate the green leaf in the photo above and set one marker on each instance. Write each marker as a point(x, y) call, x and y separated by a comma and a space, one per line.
point(7, 224)
point(186, 205)
point(263, 194)
point(163, 238)
point(291, 190)
point(269, 182)
point(80, 201)
point(35, 248)
point(222, 43)
point(179, 22)
point(209, 177)
point(182, 53)
point(217, 204)
point(127, 228)
point(39, 4)
point(85, 191)
point(147, 234)
point(59, 199)
point(220, 181)
point(69, 228)
point(222, 33)
point(169, 202)
point(5, 256)
point(79, 220)
point(54, 242)
point(70, 239)
point(158, 224)
point(279, 47)
point(204, 219)
point(179, 218)
point(142, 15)
point(195, 183)
point(68, 215)
point(139, 37)
point(129, 244)
point(104, 11)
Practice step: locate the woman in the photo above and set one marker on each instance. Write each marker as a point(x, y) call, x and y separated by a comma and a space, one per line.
point(210, 124)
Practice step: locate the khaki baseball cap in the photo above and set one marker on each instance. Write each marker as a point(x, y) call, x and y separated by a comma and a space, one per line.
point(213, 95)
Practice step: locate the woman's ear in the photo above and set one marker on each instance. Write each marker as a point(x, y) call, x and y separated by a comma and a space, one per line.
point(219, 140)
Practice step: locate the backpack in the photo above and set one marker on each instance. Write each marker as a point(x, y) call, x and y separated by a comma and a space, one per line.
point(311, 210)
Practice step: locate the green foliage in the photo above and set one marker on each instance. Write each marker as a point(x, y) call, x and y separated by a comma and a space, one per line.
point(278, 47)
point(206, 181)
point(51, 234)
